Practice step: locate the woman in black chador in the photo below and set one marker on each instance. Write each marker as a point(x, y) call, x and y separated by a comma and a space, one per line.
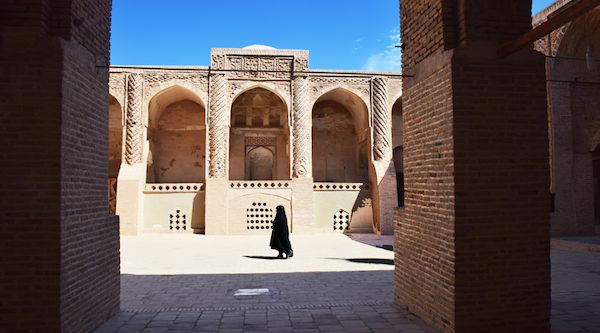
point(280, 237)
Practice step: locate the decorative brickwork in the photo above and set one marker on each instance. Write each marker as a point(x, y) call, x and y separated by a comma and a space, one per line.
point(133, 130)
point(382, 125)
point(218, 127)
point(302, 166)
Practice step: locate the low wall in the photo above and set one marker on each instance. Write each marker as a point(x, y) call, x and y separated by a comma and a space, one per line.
point(341, 207)
point(173, 208)
point(252, 206)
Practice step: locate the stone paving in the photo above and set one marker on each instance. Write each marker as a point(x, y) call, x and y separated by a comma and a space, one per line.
point(575, 291)
point(334, 283)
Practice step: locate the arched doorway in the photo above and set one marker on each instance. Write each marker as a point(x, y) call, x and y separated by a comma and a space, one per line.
point(259, 148)
point(177, 135)
point(115, 149)
point(397, 139)
point(340, 140)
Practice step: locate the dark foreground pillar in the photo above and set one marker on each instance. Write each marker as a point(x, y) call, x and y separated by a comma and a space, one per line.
point(59, 248)
point(472, 245)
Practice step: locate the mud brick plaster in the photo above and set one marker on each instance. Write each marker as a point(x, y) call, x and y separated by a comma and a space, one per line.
point(472, 244)
point(60, 257)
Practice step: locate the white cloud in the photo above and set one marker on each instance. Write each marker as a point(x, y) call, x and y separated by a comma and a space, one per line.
point(390, 60)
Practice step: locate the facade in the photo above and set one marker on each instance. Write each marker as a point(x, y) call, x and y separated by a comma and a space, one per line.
point(573, 122)
point(215, 149)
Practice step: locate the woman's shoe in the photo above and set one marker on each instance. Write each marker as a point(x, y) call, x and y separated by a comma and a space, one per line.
point(280, 256)
point(290, 254)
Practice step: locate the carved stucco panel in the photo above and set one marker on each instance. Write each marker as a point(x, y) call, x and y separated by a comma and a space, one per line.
point(134, 128)
point(322, 85)
point(253, 67)
point(116, 87)
point(302, 130)
point(394, 90)
point(382, 125)
point(195, 82)
point(218, 127)
point(281, 88)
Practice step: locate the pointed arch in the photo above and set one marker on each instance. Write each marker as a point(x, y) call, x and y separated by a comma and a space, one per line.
point(167, 96)
point(352, 102)
point(397, 123)
point(259, 118)
point(115, 149)
point(340, 137)
point(262, 86)
point(177, 137)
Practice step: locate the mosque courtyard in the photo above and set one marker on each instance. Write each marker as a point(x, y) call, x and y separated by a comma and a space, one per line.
point(334, 283)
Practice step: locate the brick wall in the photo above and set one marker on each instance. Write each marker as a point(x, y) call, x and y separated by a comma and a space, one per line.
point(421, 24)
point(90, 240)
point(60, 254)
point(502, 194)
point(573, 96)
point(30, 186)
point(572, 162)
point(424, 242)
point(472, 244)
point(498, 20)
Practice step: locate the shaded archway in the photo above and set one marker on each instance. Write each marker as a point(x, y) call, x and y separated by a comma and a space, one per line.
point(115, 149)
point(340, 138)
point(259, 132)
point(574, 129)
point(177, 135)
point(260, 164)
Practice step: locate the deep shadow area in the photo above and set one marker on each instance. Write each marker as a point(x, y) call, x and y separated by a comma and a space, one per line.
point(386, 247)
point(293, 289)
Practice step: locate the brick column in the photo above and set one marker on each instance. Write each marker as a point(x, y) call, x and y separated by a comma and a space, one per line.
point(218, 146)
point(472, 247)
point(59, 270)
point(385, 197)
point(302, 181)
point(132, 173)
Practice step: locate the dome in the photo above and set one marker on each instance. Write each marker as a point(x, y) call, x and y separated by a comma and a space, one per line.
point(258, 47)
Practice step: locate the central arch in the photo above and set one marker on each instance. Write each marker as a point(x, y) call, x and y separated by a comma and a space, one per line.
point(259, 137)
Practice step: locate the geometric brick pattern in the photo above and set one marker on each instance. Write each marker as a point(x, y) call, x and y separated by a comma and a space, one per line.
point(382, 126)
point(302, 117)
point(218, 120)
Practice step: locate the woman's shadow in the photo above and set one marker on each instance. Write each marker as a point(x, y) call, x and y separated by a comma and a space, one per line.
point(263, 257)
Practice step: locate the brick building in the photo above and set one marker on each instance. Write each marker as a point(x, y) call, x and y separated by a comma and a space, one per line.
point(215, 149)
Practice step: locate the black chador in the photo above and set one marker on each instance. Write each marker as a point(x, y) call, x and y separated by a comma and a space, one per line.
point(280, 237)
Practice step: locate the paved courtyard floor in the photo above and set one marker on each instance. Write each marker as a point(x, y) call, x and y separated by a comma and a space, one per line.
point(334, 283)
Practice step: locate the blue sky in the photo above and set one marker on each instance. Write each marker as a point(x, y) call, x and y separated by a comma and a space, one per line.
point(338, 34)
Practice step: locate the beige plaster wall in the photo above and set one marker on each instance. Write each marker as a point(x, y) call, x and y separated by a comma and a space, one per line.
point(179, 147)
point(335, 145)
point(158, 206)
point(243, 203)
point(358, 203)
